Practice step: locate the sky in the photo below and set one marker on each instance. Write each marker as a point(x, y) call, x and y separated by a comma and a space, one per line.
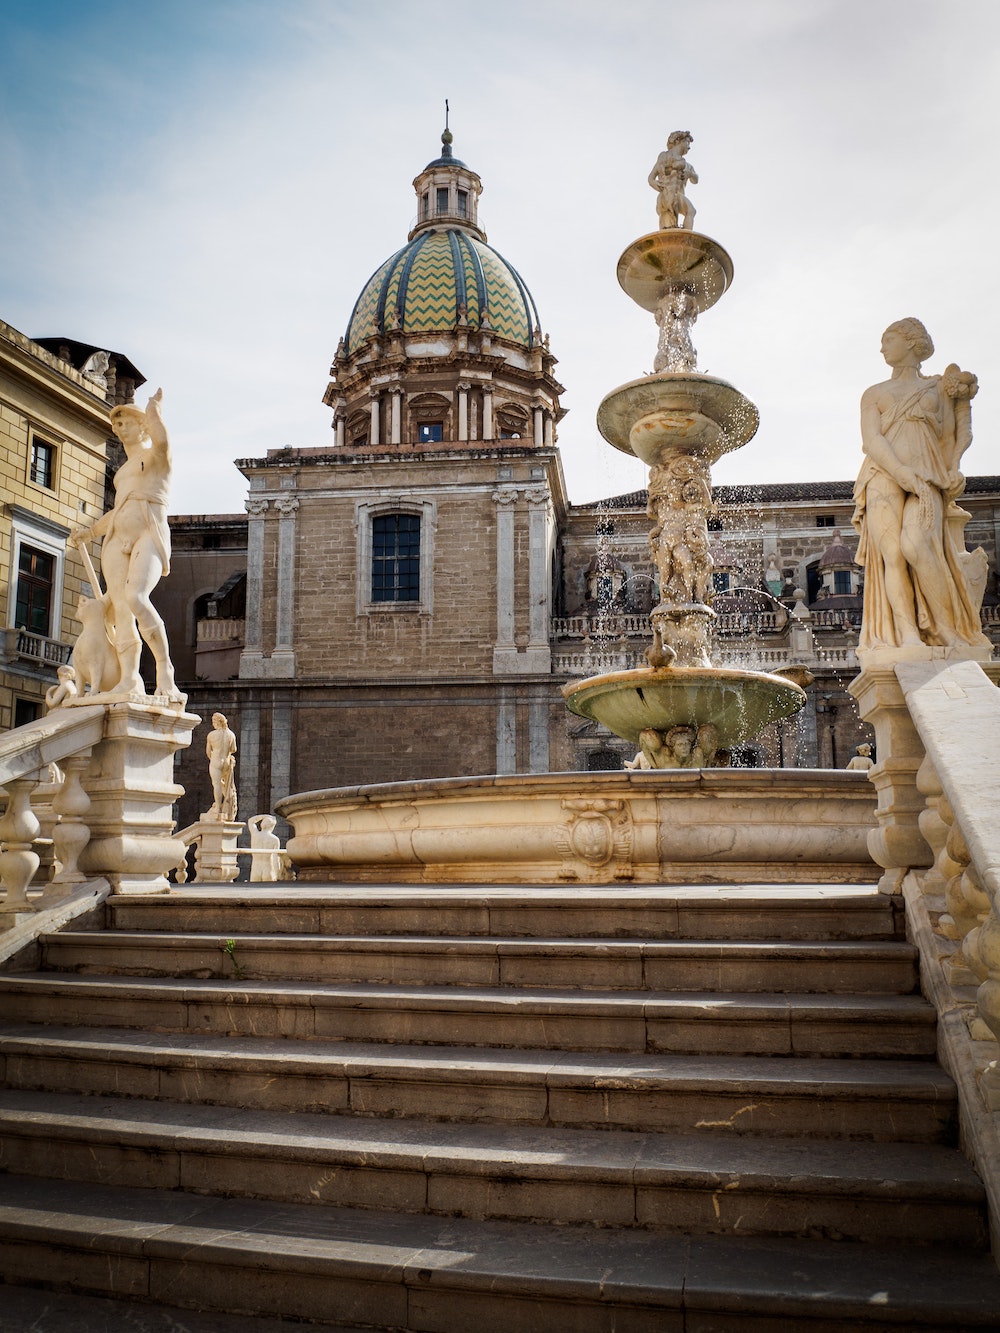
point(206, 185)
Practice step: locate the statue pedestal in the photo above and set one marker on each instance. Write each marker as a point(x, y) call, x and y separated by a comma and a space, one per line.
point(897, 843)
point(216, 858)
point(130, 782)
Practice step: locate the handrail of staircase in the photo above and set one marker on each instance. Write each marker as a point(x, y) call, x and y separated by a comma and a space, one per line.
point(65, 737)
point(955, 708)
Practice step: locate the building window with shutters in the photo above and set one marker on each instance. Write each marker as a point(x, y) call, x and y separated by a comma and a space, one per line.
point(38, 557)
point(42, 463)
point(395, 545)
point(396, 558)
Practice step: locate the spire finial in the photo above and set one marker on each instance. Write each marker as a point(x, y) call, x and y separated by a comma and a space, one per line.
point(447, 136)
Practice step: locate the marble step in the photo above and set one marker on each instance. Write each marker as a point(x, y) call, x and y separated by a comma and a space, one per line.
point(886, 967)
point(417, 1272)
point(697, 1183)
point(835, 911)
point(694, 1023)
point(884, 1100)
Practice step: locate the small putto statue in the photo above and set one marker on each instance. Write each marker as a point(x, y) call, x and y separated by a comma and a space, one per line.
point(922, 587)
point(669, 177)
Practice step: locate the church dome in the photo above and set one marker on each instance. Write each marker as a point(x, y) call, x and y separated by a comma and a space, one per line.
point(442, 277)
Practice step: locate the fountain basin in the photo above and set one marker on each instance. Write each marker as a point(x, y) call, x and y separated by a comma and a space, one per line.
point(738, 703)
point(682, 413)
point(675, 257)
point(685, 826)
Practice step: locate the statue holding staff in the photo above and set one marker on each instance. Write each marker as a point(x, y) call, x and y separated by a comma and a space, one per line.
point(136, 549)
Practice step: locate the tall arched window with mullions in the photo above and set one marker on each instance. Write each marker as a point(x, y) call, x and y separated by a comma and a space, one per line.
point(396, 558)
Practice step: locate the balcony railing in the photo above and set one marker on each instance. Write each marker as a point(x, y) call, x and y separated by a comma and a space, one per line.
point(22, 645)
point(224, 630)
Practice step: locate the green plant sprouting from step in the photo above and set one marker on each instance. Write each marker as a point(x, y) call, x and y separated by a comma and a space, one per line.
point(229, 947)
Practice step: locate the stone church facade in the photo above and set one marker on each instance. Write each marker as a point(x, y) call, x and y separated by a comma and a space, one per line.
point(407, 602)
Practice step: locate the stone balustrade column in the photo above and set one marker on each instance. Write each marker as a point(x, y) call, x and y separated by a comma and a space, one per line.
point(69, 837)
point(253, 642)
point(505, 651)
point(375, 433)
point(19, 828)
point(463, 409)
point(283, 657)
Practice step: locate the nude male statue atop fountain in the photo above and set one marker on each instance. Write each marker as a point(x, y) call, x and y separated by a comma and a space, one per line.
point(669, 177)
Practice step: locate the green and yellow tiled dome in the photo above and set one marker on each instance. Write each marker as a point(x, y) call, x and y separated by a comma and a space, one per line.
point(424, 285)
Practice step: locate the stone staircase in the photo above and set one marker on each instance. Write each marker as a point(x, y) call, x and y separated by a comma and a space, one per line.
point(447, 1109)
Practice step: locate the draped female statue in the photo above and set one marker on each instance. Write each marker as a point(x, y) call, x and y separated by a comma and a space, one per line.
point(915, 429)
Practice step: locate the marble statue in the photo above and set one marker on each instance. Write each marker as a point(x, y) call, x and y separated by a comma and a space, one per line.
point(680, 498)
point(94, 659)
point(675, 316)
point(220, 748)
point(862, 758)
point(95, 369)
point(774, 580)
point(136, 550)
point(64, 691)
point(269, 863)
point(669, 177)
point(682, 746)
point(915, 429)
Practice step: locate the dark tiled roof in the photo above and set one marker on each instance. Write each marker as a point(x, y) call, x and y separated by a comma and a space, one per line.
point(776, 492)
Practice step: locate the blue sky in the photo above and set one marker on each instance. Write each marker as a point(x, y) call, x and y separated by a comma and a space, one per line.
point(207, 186)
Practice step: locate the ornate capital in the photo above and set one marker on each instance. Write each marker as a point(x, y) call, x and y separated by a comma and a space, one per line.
point(463, 386)
point(287, 505)
point(538, 495)
point(256, 508)
point(505, 495)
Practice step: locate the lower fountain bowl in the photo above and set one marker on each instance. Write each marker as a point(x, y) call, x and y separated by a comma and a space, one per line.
point(738, 703)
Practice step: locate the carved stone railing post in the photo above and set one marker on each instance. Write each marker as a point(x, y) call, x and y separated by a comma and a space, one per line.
point(19, 828)
point(71, 803)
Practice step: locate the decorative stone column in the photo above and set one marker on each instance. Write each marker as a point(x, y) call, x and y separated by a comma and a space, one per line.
point(550, 430)
point(340, 423)
point(505, 650)
point(539, 654)
point(130, 782)
point(253, 643)
point(396, 414)
point(463, 387)
point(487, 411)
point(283, 656)
point(376, 428)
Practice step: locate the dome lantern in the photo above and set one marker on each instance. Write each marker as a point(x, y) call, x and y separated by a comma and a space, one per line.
point(447, 192)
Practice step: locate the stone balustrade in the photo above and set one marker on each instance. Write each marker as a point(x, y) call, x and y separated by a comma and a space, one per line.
point(21, 644)
point(106, 774)
point(221, 629)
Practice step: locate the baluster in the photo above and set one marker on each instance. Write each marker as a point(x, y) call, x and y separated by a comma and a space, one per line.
point(19, 828)
point(71, 803)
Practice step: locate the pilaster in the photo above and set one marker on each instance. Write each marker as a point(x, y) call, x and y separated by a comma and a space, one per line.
point(253, 650)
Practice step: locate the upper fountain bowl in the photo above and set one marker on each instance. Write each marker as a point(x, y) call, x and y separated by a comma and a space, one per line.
point(654, 264)
point(666, 413)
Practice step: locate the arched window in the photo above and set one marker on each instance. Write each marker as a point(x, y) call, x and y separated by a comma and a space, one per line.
point(396, 558)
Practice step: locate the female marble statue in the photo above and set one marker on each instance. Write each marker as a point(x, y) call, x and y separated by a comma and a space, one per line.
point(914, 430)
point(136, 550)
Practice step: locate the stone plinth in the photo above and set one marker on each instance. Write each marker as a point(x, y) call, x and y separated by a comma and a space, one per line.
point(216, 860)
point(130, 782)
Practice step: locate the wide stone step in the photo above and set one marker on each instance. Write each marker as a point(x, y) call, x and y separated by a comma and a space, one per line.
point(419, 1272)
point(698, 1184)
point(700, 1022)
point(747, 911)
point(886, 1100)
point(886, 967)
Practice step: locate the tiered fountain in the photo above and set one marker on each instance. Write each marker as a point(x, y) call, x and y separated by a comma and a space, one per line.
point(710, 824)
point(681, 710)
